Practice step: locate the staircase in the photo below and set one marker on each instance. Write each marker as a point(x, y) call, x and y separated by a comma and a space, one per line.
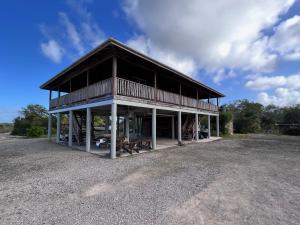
point(188, 128)
point(79, 128)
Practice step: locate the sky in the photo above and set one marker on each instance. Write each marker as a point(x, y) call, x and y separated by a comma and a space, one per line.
point(244, 49)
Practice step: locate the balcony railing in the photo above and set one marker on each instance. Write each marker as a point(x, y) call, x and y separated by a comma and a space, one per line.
point(141, 91)
point(99, 89)
point(130, 89)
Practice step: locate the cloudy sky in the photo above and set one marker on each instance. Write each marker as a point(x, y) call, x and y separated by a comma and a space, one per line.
point(245, 49)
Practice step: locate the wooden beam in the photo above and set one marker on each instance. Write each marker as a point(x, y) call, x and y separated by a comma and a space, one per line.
point(114, 75)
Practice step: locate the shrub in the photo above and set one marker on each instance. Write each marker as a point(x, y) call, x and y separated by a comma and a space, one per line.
point(35, 131)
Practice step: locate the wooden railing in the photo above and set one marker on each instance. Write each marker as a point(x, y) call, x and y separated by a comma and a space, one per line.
point(130, 89)
point(133, 89)
point(141, 91)
point(98, 89)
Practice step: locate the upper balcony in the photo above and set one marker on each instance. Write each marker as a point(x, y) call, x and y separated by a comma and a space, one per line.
point(135, 91)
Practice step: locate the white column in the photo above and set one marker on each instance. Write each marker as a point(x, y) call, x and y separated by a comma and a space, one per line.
point(197, 127)
point(49, 126)
point(70, 136)
point(208, 125)
point(57, 127)
point(153, 129)
point(88, 130)
point(127, 127)
point(179, 128)
point(218, 126)
point(173, 128)
point(113, 130)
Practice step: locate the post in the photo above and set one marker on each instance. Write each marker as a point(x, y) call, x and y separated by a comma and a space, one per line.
point(113, 130)
point(180, 95)
point(70, 136)
point(173, 128)
point(88, 130)
point(153, 128)
point(49, 126)
point(208, 125)
point(218, 126)
point(87, 84)
point(155, 85)
point(127, 128)
point(197, 127)
point(57, 127)
point(50, 96)
point(179, 128)
point(118, 125)
point(114, 75)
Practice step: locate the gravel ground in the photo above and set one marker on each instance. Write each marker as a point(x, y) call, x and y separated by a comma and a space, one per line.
point(242, 181)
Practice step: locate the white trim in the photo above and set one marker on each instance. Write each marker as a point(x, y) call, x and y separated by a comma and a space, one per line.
point(174, 109)
point(90, 105)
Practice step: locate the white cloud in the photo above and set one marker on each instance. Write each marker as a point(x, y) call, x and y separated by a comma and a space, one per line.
point(214, 34)
point(266, 83)
point(281, 97)
point(286, 40)
point(144, 45)
point(78, 35)
point(52, 50)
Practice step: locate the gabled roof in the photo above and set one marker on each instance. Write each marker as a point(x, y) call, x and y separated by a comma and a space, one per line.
point(113, 42)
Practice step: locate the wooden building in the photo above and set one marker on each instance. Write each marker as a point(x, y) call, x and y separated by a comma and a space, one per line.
point(147, 98)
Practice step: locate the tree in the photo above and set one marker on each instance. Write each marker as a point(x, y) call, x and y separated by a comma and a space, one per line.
point(33, 116)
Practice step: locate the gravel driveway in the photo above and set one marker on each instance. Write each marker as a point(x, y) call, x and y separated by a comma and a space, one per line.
point(250, 181)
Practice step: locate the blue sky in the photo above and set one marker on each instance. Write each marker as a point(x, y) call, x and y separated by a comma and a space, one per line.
point(235, 46)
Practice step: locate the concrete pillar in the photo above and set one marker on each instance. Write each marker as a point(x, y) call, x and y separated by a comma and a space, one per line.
point(127, 127)
point(173, 128)
point(179, 128)
point(113, 130)
point(49, 126)
point(106, 124)
point(208, 125)
point(88, 129)
point(70, 136)
point(153, 129)
point(197, 127)
point(57, 127)
point(218, 126)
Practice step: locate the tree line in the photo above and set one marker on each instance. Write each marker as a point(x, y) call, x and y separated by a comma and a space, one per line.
point(245, 117)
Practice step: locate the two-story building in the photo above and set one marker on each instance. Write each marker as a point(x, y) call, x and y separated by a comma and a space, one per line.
point(139, 96)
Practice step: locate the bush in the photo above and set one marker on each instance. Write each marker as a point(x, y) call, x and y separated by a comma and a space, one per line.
point(35, 131)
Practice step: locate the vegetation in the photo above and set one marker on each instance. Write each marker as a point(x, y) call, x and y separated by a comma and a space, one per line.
point(251, 117)
point(6, 127)
point(33, 121)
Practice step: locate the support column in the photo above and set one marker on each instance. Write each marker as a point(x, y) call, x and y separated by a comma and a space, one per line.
point(118, 125)
point(173, 128)
point(88, 130)
point(49, 126)
point(57, 127)
point(70, 136)
point(197, 127)
point(153, 128)
point(179, 128)
point(208, 125)
point(127, 127)
point(218, 126)
point(113, 131)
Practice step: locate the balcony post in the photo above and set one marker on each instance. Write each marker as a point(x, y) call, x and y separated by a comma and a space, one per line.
point(208, 125)
point(154, 128)
point(57, 127)
point(180, 94)
point(155, 85)
point(114, 75)
point(87, 84)
point(197, 100)
point(88, 130)
point(49, 126)
point(70, 136)
point(113, 144)
point(127, 127)
point(179, 128)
